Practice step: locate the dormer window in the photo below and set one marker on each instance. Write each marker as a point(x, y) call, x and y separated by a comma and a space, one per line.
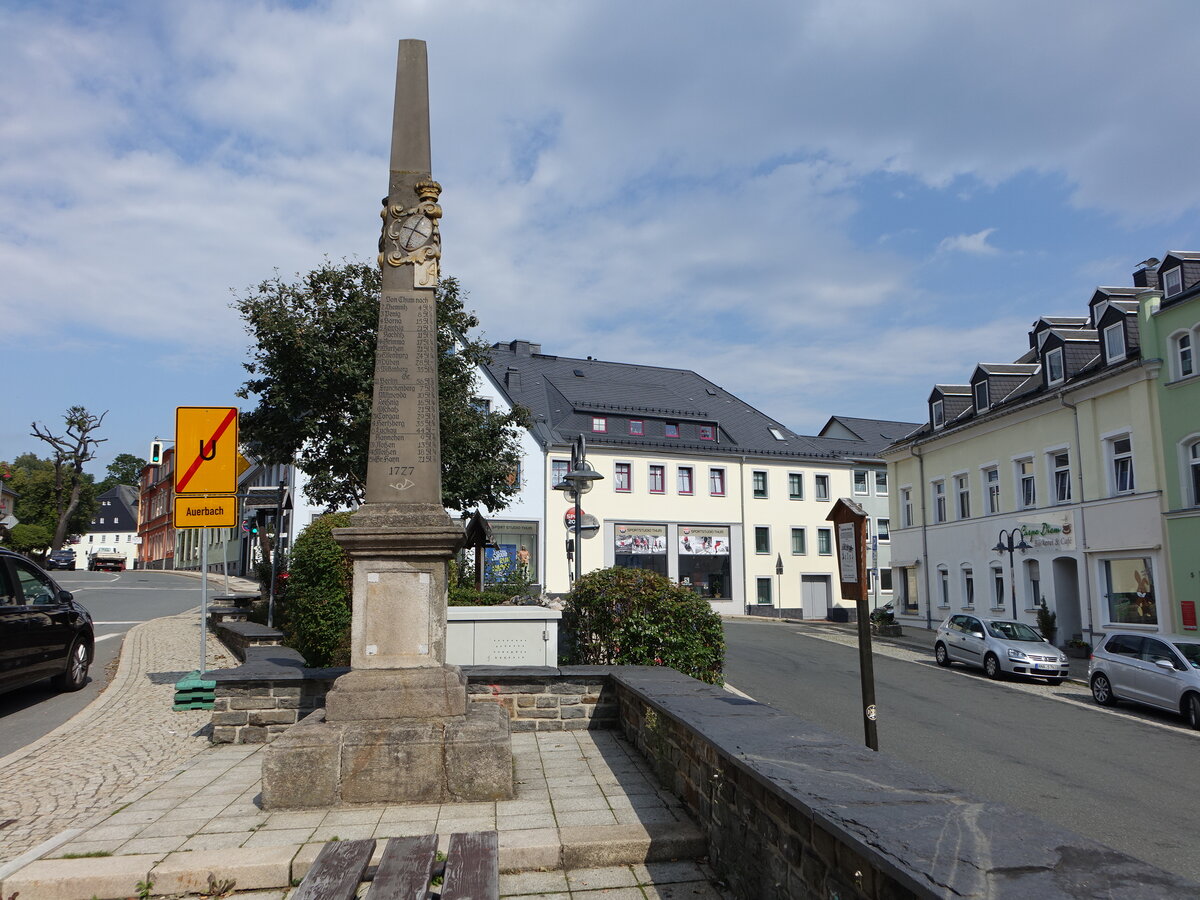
point(636, 426)
point(937, 413)
point(1114, 342)
point(706, 433)
point(1054, 366)
point(671, 429)
point(1172, 282)
point(981, 396)
point(599, 424)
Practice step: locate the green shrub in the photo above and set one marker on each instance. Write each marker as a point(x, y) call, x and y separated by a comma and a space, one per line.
point(510, 583)
point(632, 617)
point(316, 618)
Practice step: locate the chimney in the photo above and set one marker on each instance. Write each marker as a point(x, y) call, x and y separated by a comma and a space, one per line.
point(512, 380)
point(524, 348)
point(1147, 275)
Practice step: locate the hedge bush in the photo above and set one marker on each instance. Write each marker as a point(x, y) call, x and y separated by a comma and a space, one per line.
point(316, 617)
point(632, 617)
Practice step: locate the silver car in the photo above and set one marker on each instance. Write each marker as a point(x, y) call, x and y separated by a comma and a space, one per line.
point(999, 647)
point(1159, 670)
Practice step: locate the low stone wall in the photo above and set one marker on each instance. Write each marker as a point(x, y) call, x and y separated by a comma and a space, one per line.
point(259, 700)
point(239, 636)
point(793, 811)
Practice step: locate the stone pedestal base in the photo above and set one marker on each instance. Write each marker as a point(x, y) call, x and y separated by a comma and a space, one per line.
point(421, 693)
point(318, 763)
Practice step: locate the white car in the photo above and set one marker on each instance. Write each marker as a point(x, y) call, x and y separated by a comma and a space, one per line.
point(1159, 670)
point(999, 647)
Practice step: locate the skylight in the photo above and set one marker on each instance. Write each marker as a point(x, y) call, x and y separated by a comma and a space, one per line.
point(777, 434)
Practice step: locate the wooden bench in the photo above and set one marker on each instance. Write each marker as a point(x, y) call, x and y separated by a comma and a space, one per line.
point(406, 869)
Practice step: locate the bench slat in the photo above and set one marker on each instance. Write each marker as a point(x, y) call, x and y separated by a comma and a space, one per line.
point(405, 868)
point(337, 871)
point(472, 866)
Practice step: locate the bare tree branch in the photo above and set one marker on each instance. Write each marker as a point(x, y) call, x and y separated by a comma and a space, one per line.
point(71, 451)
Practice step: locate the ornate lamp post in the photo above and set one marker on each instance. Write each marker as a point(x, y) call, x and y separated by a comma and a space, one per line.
point(1006, 543)
point(576, 482)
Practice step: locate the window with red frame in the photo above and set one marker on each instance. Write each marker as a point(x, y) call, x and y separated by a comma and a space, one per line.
point(684, 480)
point(657, 479)
point(707, 433)
point(623, 477)
point(716, 482)
point(599, 424)
point(671, 429)
point(636, 426)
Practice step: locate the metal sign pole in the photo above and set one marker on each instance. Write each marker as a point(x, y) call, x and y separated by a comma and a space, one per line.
point(203, 598)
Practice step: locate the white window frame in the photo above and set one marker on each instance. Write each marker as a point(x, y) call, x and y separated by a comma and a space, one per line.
point(821, 487)
point(937, 413)
point(1111, 459)
point(943, 582)
point(1117, 328)
point(1172, 282)
point(999, 590)
point(991, 489)
point(881, 476)
point(968, 586)
point(1054, 470)
point(982, 392)
point(629, 473)
point(883, 530)
point(1025, 499)
point(1189, 464)
point(937, 491)
point(866, 485)
point(724, 483)
point(766, 493)
point(1183, 353)
point(691, 476)
point(906, 507)
point(662, 473)
point(962, 495)
point(1055, 354)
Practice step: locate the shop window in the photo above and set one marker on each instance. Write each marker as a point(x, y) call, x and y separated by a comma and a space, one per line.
point(640, 547)
point(704, 560)
point(1129, 589)
point(910, 596)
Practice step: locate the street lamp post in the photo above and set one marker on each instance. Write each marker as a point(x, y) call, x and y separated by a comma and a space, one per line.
point(1006, 544)
point(576, 482)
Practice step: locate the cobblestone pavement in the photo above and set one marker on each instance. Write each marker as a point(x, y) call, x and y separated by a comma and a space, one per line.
point(125, 740)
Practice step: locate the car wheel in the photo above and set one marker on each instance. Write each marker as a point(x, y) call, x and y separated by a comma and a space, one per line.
point(1102, 691)
point(1192, 710)
point(77, 668)
point(991, 666)
point(940, 655)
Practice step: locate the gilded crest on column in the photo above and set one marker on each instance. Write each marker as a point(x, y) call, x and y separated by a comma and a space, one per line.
point(411, 236)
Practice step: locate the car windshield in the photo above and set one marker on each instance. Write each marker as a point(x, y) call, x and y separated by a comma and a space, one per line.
point(1191, 652)
point(1013, 631)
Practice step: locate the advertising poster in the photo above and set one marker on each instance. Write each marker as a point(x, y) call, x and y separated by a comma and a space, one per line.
point(641, 539)
point(700, 540)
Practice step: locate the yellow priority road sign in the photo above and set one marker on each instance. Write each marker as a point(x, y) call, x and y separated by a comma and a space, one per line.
point(206, 450)
point(206, 512)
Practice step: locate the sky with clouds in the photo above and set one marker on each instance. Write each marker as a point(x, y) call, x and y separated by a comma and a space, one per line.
point(825, 206)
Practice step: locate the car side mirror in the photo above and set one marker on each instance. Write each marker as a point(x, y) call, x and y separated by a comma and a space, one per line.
point(1165, 664)
point(65, 596)
point(977, 634)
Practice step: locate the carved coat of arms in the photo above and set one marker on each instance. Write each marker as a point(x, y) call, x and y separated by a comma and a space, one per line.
point(410, 234)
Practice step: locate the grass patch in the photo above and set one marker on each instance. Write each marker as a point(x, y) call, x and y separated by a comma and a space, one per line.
point(89, 855)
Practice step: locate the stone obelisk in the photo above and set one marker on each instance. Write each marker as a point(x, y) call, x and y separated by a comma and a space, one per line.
point(397, 727)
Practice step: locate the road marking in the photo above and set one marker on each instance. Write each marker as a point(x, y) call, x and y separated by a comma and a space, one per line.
point(132, 622)
point(105, 637)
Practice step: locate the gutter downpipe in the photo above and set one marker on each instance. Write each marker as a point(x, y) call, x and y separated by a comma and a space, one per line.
point(1087, 566)
point(916, 451)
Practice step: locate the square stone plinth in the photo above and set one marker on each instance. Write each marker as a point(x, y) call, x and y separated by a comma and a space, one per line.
point(318, 763)
point(372, 695)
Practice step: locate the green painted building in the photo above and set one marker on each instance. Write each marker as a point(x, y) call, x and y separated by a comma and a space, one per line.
point(1170, 330)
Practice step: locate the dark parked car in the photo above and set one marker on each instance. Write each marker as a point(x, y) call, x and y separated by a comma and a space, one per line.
point(61, 559)
point(44, 632)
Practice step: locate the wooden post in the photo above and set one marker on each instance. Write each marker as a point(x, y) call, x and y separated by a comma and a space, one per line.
point(851, 530)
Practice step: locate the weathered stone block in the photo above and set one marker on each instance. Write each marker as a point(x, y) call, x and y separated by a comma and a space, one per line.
point(259, 702)
point(252, 734)
point(371, 695)
point(230, 718)
point(572, 712)
point(272, 717)
point(224, 734)
point(547, 702)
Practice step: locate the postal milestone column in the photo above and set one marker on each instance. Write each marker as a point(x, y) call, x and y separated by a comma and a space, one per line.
point(397, 728)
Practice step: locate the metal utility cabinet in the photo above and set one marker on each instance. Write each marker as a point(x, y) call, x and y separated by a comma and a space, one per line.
point(502, 636)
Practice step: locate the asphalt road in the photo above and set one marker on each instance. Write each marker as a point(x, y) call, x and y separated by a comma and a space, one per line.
point(117, 602)
point(1123, 777)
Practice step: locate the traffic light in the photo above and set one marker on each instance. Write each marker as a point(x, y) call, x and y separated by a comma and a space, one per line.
point(156, 449)
point(254, 527)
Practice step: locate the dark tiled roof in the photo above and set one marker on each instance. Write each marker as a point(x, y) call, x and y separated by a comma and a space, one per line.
point(875, 434)
point(1007, 368)
point(564, 393)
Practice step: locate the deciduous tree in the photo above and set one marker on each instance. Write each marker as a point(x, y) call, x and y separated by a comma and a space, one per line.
point(313, 369)
point(124, 469)
point(72, 449)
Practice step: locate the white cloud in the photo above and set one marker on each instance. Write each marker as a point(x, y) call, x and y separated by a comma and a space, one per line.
point(976, 243)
